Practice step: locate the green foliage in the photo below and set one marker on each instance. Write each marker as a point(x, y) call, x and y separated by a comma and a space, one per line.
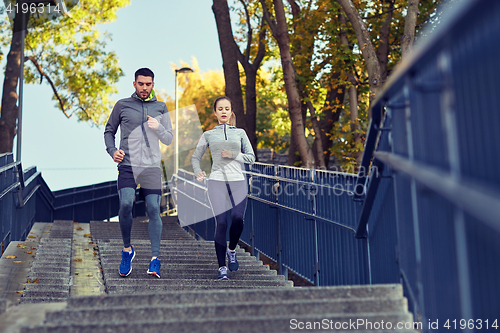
point(273, 121)
point(71, 52)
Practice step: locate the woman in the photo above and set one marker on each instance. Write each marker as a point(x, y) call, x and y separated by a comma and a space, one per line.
point(227, 186)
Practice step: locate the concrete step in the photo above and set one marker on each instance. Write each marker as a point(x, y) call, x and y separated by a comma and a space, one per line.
point(261, 308)
point(189, 260)
point(230, 325)
point(157, 284)
point(51, 266)
point(166, 274)
point(110, 271)
point(239, 296)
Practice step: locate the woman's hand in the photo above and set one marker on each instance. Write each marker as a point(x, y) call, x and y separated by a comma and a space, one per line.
point(226, 153)
point(201, 176)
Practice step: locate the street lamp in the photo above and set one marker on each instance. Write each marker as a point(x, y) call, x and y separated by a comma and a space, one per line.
point(176, 149)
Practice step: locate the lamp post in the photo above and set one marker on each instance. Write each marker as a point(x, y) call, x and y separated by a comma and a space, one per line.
point(176, 147)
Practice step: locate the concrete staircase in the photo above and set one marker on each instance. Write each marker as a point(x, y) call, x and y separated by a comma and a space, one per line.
point(49, 279)
point(189, 298)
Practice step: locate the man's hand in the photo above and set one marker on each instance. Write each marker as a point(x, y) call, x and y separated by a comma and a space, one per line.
point(201, 176)
point(153, 123)
point(118, 156)
point(226, 153)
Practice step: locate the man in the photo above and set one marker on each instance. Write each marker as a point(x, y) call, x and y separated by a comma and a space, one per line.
point(143, 120)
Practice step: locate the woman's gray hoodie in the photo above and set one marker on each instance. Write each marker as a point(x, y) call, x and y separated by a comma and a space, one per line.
point(131, 115)
point(224, 137)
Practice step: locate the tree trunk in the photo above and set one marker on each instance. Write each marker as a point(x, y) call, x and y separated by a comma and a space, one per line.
point(410, 23)
point(331, 112)
point(383, 48)
point(229, 60)
point(317, 144)
point(353, 93)
point(9, 111)
point(251, 79)
point(280, 33)
point(366, 47)
point(251, 107)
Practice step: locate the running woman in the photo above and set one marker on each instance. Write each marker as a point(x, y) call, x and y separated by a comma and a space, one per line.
point(227, 185)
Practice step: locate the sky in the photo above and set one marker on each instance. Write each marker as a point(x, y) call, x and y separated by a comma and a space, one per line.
point(147, 33)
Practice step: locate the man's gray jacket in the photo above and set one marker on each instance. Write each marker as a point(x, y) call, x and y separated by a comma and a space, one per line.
point(137, 140)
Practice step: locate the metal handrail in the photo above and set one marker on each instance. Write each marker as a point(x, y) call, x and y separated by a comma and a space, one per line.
point(480, 202)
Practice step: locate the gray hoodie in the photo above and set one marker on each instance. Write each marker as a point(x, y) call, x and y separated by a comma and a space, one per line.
point(230, 138)
point(130, 113)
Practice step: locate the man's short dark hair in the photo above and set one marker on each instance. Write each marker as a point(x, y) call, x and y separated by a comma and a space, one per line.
point(144, 72)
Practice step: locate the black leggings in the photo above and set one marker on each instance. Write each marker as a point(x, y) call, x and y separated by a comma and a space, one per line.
point(224, 196)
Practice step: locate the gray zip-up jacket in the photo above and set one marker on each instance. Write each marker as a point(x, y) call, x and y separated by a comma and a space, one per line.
point(131, 115)
point(230, 138)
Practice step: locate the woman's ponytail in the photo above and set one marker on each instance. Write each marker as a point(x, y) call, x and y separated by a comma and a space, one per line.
point(232, 119)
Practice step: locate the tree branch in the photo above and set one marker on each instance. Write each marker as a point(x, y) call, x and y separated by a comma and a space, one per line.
point(380, 14)
point(54, 89)
point(366, 47)
point(410, 23)
point(249, 40)
point(262, 47)
point(268, 18)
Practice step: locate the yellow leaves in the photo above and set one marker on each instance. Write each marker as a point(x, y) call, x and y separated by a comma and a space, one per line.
point(17, 261)
point(29, 252)
point(10, 257)
point(89, 275)
point(86, 235)
point(77, 259)
point(22, 246)
point(79, 228)
point(31, 236)
point(19, 292)
point(34, 281)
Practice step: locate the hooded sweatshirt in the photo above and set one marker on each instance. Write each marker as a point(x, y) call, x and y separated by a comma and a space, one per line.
point(137, 140)
point(224, 137)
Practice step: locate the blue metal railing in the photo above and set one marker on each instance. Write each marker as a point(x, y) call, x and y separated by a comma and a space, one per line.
point(431, 212)
point(303, 219)
point(17, 204)
point(25, 198)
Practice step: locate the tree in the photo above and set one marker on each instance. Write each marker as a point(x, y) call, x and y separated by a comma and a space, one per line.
point(279, 30)
point(255, 47)
point(200, 89)
point(229, 58)
point(69, 54)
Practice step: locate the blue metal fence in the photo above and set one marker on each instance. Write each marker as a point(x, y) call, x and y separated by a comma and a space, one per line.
point(303, 219)
point(25, 198)
point(17, 200)
point(432, 214)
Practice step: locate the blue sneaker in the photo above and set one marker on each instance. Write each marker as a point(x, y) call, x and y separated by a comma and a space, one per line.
point(232, 262)
point(125, 265)
point(154, 268)
point(223, 273)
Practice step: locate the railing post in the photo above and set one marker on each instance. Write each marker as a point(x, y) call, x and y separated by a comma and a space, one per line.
point(413, 196)
point(279, 248)
point(450, 128)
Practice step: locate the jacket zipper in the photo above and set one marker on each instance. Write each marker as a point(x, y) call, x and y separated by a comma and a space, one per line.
point(225, 131)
